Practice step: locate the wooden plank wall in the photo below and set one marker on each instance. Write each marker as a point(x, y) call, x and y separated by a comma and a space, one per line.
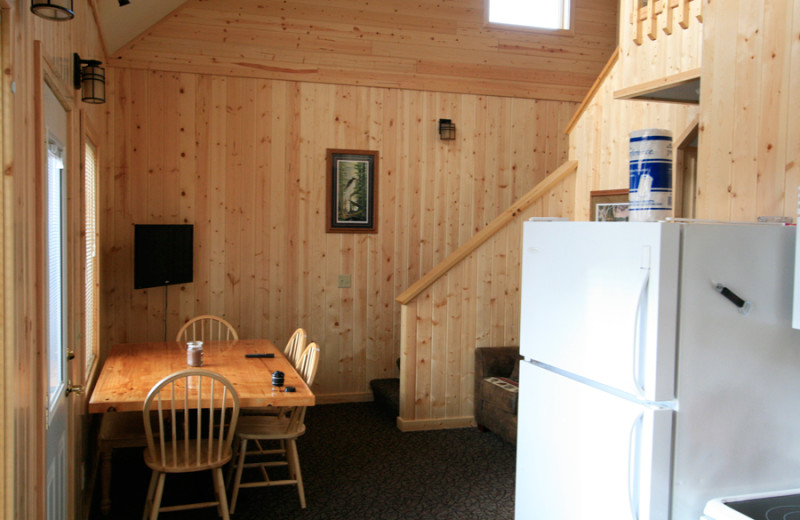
point(475, 304)
point(599, 139)
point(479, 298)
point(426, 45)
point(749, 157)
point(667, 54)
point(244, 160)
point(23, 424)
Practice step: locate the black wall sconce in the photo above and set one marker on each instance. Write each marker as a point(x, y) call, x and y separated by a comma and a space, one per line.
point(91, 80)
point(447, 130)
point(58, 10)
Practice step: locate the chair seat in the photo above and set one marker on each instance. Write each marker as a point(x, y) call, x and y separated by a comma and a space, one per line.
point(182, 465)
point(267, 428)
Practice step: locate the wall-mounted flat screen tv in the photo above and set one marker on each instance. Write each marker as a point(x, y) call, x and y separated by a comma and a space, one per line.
point(162, 254)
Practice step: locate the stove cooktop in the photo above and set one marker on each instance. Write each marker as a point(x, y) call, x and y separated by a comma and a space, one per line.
point(778, 505)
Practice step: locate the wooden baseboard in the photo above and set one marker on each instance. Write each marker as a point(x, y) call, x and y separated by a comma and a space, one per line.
point(349, 397)
point(415, 425)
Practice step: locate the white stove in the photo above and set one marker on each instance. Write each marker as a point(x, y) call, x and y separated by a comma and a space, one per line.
point(776, 505)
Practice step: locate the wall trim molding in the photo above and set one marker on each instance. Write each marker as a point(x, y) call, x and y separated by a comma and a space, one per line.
point(344, 397)
point(416, 425)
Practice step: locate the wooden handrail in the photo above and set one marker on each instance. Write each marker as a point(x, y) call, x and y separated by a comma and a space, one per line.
point(592, 91)
point(486, 233)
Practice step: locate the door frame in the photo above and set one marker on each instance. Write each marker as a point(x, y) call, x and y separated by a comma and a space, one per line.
point(44, 73)
point(7, 353)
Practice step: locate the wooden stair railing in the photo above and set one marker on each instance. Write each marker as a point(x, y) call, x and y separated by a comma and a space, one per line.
point(558, 175)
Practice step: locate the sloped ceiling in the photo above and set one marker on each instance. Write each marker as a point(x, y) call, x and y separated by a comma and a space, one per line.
point(121, 24)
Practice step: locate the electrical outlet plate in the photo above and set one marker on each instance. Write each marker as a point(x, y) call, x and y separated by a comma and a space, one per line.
point(344, 281)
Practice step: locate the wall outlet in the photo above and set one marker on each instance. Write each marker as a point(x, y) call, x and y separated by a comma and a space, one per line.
point(344, 281)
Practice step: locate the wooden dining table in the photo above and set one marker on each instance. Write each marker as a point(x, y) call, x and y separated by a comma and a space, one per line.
point(132, 369)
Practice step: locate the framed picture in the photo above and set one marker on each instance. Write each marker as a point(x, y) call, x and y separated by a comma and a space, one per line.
point(609, 205)
point(352, 201)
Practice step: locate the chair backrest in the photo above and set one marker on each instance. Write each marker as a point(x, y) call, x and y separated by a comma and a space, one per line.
point(295, 347)
point(190, 419)
point(206, 328)
point(307, 366)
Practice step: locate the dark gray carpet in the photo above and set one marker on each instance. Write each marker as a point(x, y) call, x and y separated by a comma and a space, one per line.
point(356, 465)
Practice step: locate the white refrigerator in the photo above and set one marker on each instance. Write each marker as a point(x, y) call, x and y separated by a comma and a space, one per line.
point(660, 369)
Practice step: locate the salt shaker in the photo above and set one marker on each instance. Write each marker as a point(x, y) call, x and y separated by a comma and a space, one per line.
point(194, 353)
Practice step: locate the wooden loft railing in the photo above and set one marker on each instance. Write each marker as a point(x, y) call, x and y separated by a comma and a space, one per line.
point(645, 13)
point(486, 233)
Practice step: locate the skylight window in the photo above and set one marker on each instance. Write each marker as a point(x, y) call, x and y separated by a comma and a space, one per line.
point(537, 14)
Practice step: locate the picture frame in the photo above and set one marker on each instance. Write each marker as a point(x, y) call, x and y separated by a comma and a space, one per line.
point(352, 191)
point(609, 205)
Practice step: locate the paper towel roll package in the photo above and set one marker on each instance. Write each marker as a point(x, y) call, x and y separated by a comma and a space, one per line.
point(650, 194)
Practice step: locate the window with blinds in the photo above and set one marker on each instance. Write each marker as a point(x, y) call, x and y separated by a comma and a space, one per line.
point(90, 233)
point(56, 368)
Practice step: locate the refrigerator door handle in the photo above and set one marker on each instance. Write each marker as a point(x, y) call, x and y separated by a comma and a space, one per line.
point(638, 344)
point(634, 465)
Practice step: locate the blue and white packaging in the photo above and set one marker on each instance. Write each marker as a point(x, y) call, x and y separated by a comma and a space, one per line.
point(650, 195)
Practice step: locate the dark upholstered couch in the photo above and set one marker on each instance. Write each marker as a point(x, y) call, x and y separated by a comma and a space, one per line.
point(496, 374)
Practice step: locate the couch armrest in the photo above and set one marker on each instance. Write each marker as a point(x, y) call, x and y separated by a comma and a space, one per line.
point(495, 361)
point(492, 362)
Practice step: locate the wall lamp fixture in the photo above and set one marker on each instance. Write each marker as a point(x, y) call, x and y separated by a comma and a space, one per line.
point(57, 10)
point(90, 79)
point(447, 130)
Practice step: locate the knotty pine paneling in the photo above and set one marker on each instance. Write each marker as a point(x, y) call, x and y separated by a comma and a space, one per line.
point(749, 155)
point(243, 159)
point(474, 304)
point(664, 56)
point(600, 139)
point(25, 37)
point(426, 45)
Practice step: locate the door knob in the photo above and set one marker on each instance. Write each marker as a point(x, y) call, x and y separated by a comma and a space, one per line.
point(78, 389)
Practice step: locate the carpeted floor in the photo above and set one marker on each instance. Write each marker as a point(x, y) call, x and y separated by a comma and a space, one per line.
point(356, 465)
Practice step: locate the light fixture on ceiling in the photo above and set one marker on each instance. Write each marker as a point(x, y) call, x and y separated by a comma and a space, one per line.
point(90, 79)
point(447, 130)
point(57, 10)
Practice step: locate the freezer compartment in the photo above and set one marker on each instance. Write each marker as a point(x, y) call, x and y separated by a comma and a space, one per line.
point(584, 453)
point(599, 300)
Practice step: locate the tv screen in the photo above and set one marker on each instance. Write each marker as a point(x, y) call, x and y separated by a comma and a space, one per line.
point(162, 254)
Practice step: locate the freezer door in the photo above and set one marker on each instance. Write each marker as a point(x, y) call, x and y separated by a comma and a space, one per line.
point(599, 300)
point(583, 453)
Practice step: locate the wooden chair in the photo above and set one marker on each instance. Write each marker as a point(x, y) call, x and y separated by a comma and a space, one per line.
point(309, 361)
point(285, 427)
point(293, 350)
point(206, 328)
point(125, 429)
point(296, 345)
point(195, 413)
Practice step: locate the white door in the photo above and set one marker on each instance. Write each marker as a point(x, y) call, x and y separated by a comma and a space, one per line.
point(599, 300)
point(56, 358)
point(583, 453)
